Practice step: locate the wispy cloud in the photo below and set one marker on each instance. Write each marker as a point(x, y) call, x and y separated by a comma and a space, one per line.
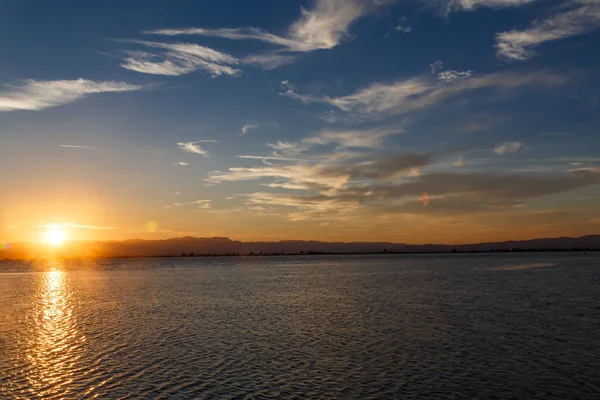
point(269, 61)
point(341, 139)
point(182, 164)
point(201, 204)
point(436, 67)
point(37, 95)
point(470, 5)
point(247, 127)
point(452, 76)
point(327, 176)
point(450, 194)
point(180, 59)
point(195, 147)
point(322, 27)
point(508, 147)
point(75, 146)
point(420, 92)
point(448, 76)
point(403, 25)
point(76, 226)
point(574, 17)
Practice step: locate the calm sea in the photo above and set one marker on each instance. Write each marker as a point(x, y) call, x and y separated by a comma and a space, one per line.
point(501, 326)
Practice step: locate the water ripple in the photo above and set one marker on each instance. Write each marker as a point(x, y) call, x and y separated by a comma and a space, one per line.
point(411, 327)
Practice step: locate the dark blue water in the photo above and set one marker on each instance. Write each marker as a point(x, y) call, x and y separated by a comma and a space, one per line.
point(351, 327)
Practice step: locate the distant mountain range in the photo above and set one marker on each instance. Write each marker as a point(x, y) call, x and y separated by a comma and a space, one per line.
point(191, 246)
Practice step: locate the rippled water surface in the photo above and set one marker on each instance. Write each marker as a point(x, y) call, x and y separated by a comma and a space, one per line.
point(350, 327)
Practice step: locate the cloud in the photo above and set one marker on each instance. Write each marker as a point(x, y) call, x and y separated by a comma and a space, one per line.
point(403, 25)
point(38, 95)
point(452, 76)
point(365, 139)
point(482, 185)
point(202, 204)
point(574, 17)
point(328, 176)
point(322, 27)
point(366, 185)
point(195, 147)
point(74, 146)
point(180, 59)
point(460, 162)
point(436, 67)
point(470, 5)
point(269, 61)
point(449, 76)
point(450, 194)
point(382, 168)
point(508, 147)
point(416, 93)
point(302, 174)
point(247, 127)
point(181, 164)
point(342, 139)
point(76, 226)
point(271, 158)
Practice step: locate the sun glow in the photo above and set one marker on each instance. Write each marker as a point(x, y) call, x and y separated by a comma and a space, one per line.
point(54, 235)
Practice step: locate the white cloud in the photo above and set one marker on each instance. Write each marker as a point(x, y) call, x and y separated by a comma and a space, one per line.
point(195, 147)
point(180, 59)
point(449, 76)
point(325, 176)
point(436, 67)
point(402, 26)
point(575, 17)
point(322, 27)
point(420, 92)
point(303, 175)
point(247, 127)
point(452, 76)
point(181, 164)
point(269, 61)
point(508, 147)
point(38, 95)
point(342, 139)
point(366, 139)
point(204, 204)
point(470, 5)
point(270, 158)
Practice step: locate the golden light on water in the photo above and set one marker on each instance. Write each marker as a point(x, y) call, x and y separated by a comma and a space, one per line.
point(55, 339)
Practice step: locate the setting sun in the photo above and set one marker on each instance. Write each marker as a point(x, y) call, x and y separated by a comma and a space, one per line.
point(55, 236)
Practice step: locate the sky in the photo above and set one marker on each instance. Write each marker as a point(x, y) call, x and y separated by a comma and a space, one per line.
point(414, 121)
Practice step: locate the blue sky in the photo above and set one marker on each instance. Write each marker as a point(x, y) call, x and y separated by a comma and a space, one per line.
point(408, 121)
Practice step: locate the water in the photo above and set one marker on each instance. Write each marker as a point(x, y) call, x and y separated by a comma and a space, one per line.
point(350, 327)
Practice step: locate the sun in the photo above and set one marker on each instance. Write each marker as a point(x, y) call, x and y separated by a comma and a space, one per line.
point(55, 236)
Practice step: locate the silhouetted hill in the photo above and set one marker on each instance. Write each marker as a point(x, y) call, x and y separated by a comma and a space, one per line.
point(222, 246)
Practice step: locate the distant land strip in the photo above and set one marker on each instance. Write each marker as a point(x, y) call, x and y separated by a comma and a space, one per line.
point(220, 246)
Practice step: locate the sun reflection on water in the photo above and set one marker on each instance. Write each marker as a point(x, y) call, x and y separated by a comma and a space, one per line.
point(55, 341)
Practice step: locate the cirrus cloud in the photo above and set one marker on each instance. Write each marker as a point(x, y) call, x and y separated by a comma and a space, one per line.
point(35, 95)
point(195, 147)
